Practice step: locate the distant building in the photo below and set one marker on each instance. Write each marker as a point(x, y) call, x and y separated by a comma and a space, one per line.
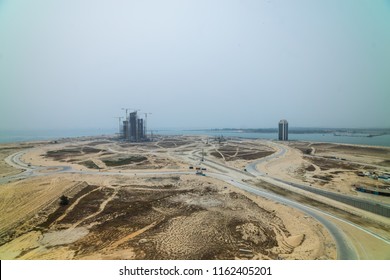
point(283, 130)
point(140, 128)
point(133, 128)
point(126, 130)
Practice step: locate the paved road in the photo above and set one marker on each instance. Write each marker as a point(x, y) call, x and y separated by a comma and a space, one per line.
point(379, 208)
point(29, 170)
point(345, 248)
point(345, 251)
point(252, 169)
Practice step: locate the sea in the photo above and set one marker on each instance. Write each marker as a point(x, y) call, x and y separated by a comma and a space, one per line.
point(382, 140)
point(37, 135)
point(11, 136)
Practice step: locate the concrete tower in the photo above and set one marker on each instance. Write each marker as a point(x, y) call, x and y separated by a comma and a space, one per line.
point(283, 130)
point(140, 134)
point(133, 126)
point(126, 130)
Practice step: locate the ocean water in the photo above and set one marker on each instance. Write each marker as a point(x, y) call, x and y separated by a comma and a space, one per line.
point(383, 140)
point(8, 136)
point(21, 136)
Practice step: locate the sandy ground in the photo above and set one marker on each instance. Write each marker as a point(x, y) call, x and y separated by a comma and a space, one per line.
point(186, 217)
point(138, 215)
point(141, 216)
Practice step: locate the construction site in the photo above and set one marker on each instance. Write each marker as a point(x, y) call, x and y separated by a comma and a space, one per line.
point(100, 198)
point(133, 128)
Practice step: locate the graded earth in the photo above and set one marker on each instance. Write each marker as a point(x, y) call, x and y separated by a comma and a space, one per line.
point(185, 197)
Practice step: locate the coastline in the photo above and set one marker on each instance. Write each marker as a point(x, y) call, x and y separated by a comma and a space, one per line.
point(329, 137)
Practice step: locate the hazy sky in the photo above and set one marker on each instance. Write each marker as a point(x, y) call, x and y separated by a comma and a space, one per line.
point(76, 63)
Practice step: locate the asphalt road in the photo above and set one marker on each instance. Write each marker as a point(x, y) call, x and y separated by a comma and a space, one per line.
point(29, 170)
point(345, 251)
point(382, 209)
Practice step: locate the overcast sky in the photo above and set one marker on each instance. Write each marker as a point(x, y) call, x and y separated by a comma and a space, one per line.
point(195, 64)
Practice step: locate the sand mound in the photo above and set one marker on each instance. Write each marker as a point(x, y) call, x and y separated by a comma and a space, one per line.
point(296, 240)
point(63, 236)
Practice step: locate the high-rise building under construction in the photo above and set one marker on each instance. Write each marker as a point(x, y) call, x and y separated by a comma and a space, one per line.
point(125, 129)
point(140, 129)
point(133, 129)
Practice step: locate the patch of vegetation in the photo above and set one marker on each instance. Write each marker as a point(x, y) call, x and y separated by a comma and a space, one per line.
point(310, 168)
point(324, 177)
point(124, 161)
point(64, 200)
point(385, 162)
point(328, 163)
point(61, 210)
point(106, 153)
point(254, 155)
point(64, 151)
point(61, 154)
point(86, 206)
point(98, 143)
point(90, 150)
point(216, 154)
point(89, 164)
point(352, 149)
point(230, 155)
point(16, 147)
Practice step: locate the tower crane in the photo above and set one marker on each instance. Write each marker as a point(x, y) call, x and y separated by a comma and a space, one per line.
point(146, 121)
point(127, 116)
point(119, 119)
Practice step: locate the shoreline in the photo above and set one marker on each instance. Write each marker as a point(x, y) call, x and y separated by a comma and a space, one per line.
point(321, 135)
